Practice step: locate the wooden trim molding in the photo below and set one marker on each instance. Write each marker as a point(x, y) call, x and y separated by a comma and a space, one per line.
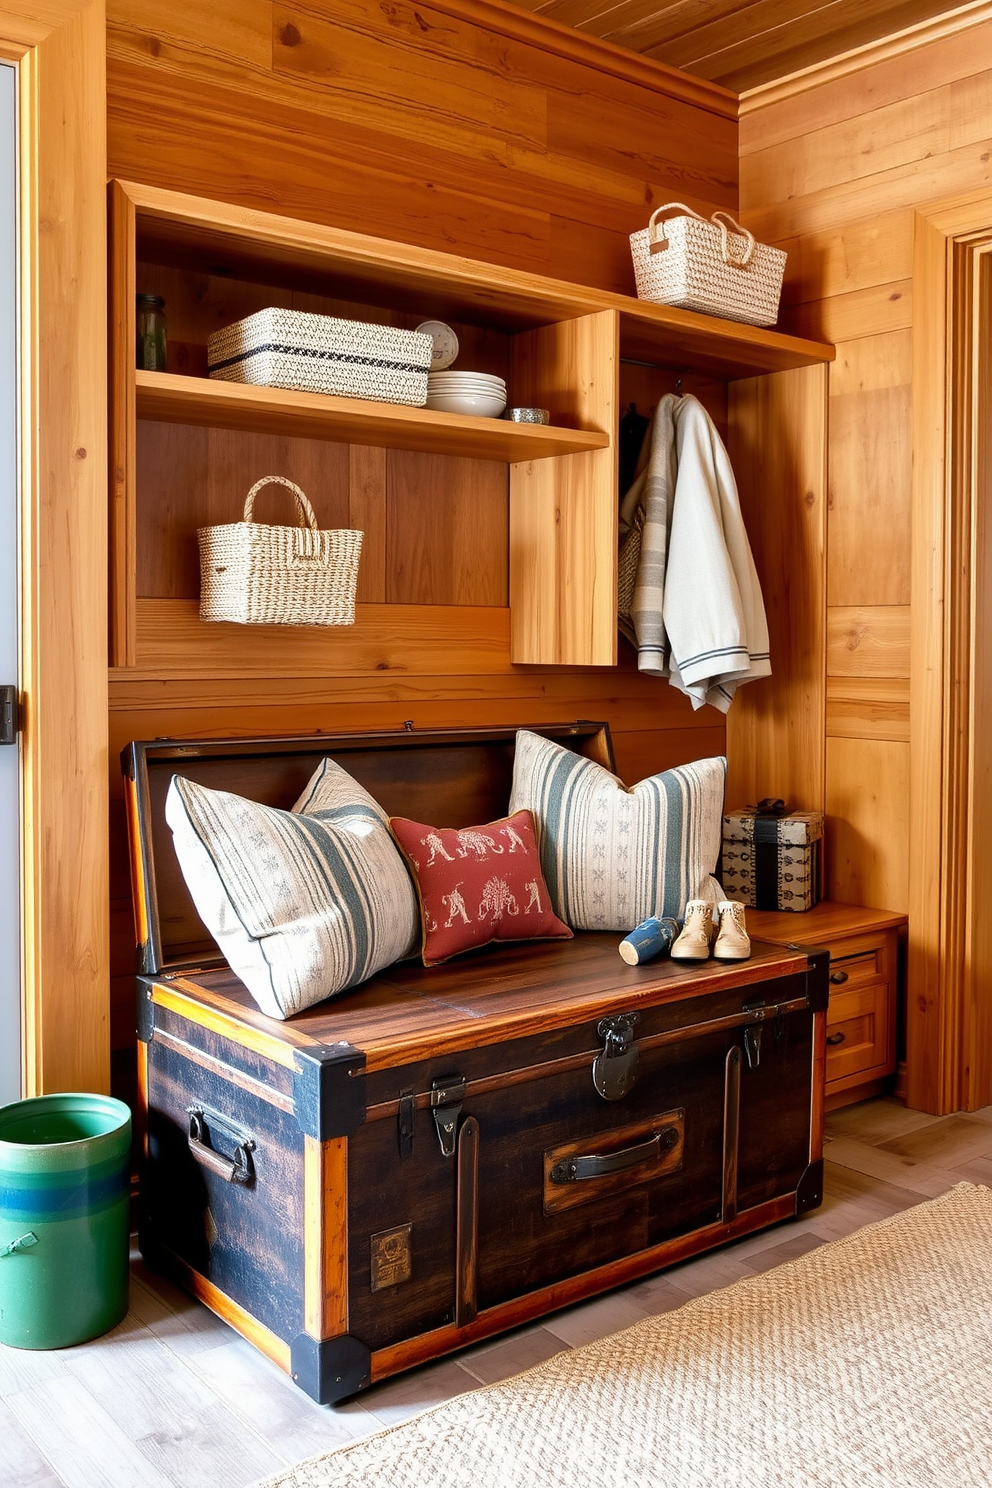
point(65, 935)
point(949, 1003)
point(899, 44)
point(591, 51)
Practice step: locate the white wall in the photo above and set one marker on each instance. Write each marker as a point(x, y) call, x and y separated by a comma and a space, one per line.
point(10, 992)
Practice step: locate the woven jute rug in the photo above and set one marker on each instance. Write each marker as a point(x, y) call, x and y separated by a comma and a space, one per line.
point(865, 1364)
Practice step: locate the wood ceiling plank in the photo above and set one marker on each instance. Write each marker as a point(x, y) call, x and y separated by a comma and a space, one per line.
point(739, 43)
point(792, 44)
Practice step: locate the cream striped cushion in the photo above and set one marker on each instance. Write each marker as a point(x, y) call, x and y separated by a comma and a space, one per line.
point(302, 903)
point(611, 856)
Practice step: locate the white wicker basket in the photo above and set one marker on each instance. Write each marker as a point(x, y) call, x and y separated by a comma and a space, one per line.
point(320, 354)
point(707, 266)
point(253, 574)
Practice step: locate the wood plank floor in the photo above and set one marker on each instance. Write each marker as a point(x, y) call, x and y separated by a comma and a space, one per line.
point(173, 1399)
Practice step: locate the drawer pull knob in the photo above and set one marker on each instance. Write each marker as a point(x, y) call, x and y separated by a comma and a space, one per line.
point(836, 1038)
point(838, 978)
point(236, 1169)
point(599, 1164)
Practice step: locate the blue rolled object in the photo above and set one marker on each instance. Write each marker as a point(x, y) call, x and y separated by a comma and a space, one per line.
point(652, 937)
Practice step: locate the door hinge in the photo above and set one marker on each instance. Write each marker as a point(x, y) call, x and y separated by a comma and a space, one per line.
point(10, 715)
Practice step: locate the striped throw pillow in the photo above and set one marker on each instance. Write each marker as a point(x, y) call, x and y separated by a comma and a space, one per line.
point(302, 903)
point(612, 856)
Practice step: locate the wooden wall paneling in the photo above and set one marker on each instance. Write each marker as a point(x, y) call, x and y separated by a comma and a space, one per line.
point(447, 530)
point(191, 477)
point(867, 834)
point(389, 638)
point(871, 471)
point(868, 708)
point(367, 512)
point(528, 140)
point(882, 182)
point(427, 698)
point(873, 311)
point(563, 512)
point(841, 260)
point(868, 641)
point(863, 144)
point(775, 729)
point(897, 67)
point(871, 362)
point(123, 516)
point(63, 219)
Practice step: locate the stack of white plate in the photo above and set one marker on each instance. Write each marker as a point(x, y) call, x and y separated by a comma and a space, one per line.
point(478, 393)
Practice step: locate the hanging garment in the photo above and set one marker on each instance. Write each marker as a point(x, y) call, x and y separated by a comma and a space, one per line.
point(697, 613)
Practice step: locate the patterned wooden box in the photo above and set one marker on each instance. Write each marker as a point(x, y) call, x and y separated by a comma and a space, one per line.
point(447, 1152)
point(772, 861)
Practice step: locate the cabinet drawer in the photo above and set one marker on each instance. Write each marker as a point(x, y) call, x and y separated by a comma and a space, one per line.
point(854, 971)
point(858, 1028)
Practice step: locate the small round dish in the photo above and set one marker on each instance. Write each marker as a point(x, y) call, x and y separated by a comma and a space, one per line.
point(528, 415)
point(445, 342)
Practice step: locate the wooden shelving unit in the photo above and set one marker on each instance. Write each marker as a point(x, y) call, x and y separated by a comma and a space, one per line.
point(561, 347)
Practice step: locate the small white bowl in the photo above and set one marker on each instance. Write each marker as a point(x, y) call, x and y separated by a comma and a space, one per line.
point(453, 384)
point(479, 405)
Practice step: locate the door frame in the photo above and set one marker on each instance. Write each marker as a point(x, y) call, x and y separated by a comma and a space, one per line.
point(949, 1002)
point(59, 49)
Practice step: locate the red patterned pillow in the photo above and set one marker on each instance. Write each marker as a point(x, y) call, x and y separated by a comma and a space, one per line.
point(478, 885)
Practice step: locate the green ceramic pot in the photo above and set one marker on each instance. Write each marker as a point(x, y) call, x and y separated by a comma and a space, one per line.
point(64, 1192)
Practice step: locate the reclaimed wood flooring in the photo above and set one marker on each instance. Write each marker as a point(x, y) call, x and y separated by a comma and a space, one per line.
point(174, 1399)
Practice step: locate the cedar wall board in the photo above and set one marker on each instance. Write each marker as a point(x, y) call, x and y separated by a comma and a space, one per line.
point(834, 174)
point(429, 126)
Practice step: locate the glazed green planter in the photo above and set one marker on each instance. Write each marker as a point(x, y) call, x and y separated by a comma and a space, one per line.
point(64, 1192)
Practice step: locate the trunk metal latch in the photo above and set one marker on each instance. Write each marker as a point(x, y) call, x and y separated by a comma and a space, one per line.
point(614, 1070)
point(447, 1095)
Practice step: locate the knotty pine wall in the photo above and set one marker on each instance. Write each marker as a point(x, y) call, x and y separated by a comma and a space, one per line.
point(834, 174)
point(434, 126)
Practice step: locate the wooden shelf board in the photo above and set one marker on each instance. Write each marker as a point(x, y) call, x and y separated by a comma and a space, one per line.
point(167, 398)
point(188, 228)
point(701, 343)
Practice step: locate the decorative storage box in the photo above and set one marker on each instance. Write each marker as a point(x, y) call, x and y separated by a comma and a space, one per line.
point(771, 860)
point(715, 267)
point(320, 354)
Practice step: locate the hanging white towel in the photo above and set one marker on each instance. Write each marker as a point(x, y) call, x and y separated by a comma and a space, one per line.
point(697, 612)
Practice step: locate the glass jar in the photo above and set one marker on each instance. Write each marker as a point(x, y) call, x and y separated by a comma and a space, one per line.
point(151, 349)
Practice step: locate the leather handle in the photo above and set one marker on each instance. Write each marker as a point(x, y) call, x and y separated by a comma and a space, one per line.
point(236, 1169)
point(600, 1164)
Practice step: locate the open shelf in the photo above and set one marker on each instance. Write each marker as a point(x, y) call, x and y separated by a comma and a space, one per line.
point(167, 398)
point(559, 346)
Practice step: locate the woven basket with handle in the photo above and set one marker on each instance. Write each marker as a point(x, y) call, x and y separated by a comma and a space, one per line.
point(715, 267)
point(254, 574)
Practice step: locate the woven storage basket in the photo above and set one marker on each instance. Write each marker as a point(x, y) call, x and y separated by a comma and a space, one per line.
point(320, 354)
point(707, 266)
point(254, 574)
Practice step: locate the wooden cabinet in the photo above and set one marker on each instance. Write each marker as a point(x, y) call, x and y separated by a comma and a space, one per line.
point(483, 514)
point(861, 1018)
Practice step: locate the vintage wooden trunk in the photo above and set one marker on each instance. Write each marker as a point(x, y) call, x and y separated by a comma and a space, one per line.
point(444, 1153)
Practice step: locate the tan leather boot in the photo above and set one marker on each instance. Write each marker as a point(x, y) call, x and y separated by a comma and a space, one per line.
point(732, 943)
point(697, 931)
